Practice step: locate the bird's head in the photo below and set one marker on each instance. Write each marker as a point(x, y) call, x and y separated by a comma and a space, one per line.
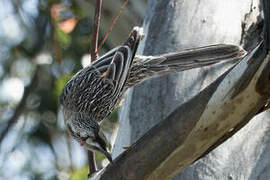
point(90, 137)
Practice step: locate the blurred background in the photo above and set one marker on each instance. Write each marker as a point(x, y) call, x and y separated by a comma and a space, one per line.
point(42, 44)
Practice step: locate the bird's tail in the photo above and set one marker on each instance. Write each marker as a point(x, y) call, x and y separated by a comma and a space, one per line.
point(145, 67)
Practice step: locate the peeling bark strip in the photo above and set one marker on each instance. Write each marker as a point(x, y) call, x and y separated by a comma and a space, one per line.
point(263, 85)
point(221, 115)
point(245, 80)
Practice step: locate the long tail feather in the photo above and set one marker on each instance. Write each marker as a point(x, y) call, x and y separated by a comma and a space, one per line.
point(145, 67)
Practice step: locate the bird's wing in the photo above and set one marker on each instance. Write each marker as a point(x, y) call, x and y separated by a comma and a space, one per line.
point(96, 89)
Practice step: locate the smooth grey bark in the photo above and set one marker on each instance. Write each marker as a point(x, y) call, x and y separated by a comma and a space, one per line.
point(175, 25)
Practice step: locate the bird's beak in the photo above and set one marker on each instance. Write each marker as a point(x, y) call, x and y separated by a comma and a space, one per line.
point(108, 156)
point(99, 144)
point(104, 144)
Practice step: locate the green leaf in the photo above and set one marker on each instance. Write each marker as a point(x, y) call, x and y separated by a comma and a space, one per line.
point(60, 83)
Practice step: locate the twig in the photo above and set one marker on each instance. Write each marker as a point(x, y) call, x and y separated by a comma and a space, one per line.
point(114, 22)
point(94, 42)
point(18, 111)
point(94, 53)
point(91, 155)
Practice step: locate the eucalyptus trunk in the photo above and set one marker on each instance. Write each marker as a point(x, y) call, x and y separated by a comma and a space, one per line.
point(174, 25)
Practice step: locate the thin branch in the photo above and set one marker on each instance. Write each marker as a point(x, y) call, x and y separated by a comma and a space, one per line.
point(94, 42)
point(112, 26)
point(91, 155)
point(18, 111)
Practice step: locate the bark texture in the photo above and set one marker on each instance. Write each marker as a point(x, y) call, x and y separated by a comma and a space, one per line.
point(174, 25)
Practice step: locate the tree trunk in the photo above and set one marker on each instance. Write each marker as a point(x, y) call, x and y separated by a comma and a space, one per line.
point(175, 25)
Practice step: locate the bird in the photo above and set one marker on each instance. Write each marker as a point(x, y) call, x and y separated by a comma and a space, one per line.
point(92, 93)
